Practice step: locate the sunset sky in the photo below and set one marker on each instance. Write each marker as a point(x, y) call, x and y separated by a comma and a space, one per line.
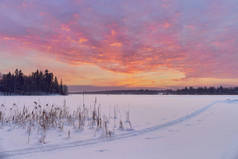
point(130, 43)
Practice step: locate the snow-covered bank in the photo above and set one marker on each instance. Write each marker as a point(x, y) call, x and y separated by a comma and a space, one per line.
point(165, 127)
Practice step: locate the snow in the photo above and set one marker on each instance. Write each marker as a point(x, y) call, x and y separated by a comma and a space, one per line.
point(164, 127)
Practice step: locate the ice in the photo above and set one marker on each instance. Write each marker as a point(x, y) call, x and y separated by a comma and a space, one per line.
point(166, 127)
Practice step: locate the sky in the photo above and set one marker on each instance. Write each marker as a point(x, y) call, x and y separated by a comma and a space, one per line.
point(128, 43)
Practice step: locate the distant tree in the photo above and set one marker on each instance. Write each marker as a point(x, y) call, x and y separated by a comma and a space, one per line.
point(204, 90)
point(55, 85)
point(36, 83)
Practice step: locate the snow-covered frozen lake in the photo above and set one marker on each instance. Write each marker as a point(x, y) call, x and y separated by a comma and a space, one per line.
point(164, 127)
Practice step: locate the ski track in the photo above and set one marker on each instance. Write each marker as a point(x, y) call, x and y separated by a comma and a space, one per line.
point(132, 133)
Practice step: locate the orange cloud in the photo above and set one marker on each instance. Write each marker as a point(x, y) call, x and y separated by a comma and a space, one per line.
point(166, 25)
point(116, 44)
point(82, 40)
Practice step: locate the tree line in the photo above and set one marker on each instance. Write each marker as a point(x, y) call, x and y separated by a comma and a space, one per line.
point(204, 91)
point(38, 83)
point(184, 91)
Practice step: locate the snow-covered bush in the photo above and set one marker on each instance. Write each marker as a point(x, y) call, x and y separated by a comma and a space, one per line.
point(39, 119)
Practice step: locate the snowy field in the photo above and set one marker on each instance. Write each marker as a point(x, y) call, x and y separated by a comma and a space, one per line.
point(163, 127)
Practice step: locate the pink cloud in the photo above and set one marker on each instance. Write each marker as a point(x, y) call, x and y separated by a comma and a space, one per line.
point(126, 37)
